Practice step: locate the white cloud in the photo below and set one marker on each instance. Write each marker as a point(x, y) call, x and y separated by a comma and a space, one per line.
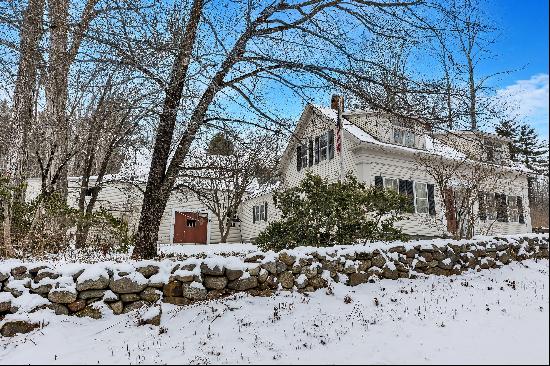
point(529, 99)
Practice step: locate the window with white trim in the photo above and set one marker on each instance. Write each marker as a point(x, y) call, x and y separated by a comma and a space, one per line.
point(260, 213)
point(304, 153)
point(421, 197)
point(323, 147)
point(398, 136)
point(513, 209)
point(404, 137)
point(391, 183)
point(491, 206)
point(408, 138)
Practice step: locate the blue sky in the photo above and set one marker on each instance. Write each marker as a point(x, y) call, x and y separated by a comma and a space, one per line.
point(523, 46)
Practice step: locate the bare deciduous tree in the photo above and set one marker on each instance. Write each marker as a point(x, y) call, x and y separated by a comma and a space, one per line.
point(222, 181)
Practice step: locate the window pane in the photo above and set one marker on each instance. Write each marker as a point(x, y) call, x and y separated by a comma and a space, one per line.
point(390, 183)
point(409, 138)
point(398, 136)
point(421, 205)
point(323, 142)
point(491, 206)
point(421, 190)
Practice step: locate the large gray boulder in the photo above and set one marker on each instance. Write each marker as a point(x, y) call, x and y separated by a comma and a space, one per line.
point(64, 295)
point(11, 328)
point(215, 282)
point(99, 283)
point(243, 284)
point(194, 292)
point(132, 283)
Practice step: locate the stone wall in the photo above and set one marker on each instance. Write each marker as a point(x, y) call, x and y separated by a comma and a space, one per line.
point(88, 289)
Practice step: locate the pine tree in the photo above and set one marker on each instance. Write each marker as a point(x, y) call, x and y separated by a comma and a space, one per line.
point(509, 129)
point(221, 145)
point(530, 150)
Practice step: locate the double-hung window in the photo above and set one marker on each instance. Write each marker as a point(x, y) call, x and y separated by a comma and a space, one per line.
point(403, 137)
point(421, 197)
point(408, 138)
point(391, 183)
point(304, 152)
point(491, 206)
point(513, 210)
point(323, 147)
point(398, 136)
point(259, 213)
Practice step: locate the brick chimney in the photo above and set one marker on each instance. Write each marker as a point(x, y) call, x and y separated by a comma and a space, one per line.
point(337, 102)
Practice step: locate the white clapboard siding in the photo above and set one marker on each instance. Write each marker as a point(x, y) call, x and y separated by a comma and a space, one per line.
point(249, 228)
point(330, 168)
point(189, 202)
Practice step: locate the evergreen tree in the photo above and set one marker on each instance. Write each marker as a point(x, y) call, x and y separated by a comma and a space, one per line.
point(221, 145)
point(509, 129)
point(530, 150)
point(319, 213)
point(526, 147)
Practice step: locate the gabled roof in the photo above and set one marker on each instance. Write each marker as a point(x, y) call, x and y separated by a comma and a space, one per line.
point(433, 145)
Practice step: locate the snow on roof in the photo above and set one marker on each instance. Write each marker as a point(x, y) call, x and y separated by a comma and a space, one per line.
point(433, 146)
point(256, 189)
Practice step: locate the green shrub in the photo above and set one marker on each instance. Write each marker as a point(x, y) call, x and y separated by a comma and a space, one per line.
point(318, 213)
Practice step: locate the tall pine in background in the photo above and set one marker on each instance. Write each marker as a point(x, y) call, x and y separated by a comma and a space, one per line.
point(509, 129)
point(531, 151)
point(527, 148)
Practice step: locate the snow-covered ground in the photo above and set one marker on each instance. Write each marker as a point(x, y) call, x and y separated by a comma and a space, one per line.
point(492, 316)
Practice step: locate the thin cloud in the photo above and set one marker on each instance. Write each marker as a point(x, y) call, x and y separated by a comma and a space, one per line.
point(529, 100)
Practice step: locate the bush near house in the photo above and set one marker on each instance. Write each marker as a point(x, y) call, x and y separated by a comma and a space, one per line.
point(318, 213)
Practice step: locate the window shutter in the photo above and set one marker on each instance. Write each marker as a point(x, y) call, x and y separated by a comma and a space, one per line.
point(431, 199)
point(482, 211)
point(265, 211)
point(378, 182)
point(317, 150)
point(502, 208)
point(402, 187)
point(310, 151)
point(298, 157)
point(410, 192)
point(520, 210)
point(331, 144)
point(253, 214)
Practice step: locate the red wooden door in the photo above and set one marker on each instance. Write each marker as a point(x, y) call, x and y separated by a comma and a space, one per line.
point(190, 227)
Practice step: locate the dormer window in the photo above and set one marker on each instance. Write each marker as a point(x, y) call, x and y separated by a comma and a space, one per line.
point(403, 136)
point(494, 151)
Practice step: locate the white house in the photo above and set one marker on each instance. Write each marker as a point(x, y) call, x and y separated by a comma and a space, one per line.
point(379, 151)
point(375, 150)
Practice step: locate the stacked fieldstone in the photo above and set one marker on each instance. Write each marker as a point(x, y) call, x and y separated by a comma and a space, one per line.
point(79, 289)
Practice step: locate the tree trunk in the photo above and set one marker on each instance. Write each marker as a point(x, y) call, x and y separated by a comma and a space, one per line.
point(157, 190)
point(23, 111)
point(25, 89)
point(450, 211)
point(146, 236)
point(8, 247)
point(472, 90)
point(57, 91)
point(224, 231)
